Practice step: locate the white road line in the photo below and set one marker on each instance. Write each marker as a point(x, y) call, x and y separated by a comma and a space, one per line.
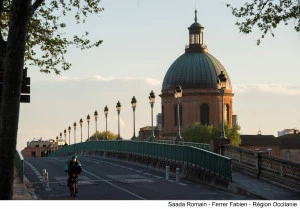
point(114, 185)
point(38, 174)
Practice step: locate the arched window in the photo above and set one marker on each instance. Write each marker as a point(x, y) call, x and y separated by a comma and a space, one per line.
point(204, 114)
point(226, 113)
point(180, 114)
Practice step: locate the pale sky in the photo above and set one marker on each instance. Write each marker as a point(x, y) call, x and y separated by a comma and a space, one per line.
point(141, 39)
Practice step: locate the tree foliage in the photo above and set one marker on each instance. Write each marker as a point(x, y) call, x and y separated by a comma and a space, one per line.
point(102, 135)
point(204, 133)
point(47, 40)
point(266, 15)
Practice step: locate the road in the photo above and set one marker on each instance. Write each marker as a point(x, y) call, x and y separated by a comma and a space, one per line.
point(108, 179)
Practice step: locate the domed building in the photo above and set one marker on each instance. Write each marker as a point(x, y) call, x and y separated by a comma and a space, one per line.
point(197, 72)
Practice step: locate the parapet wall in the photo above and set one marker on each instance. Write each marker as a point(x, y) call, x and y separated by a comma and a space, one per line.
point(261, 165)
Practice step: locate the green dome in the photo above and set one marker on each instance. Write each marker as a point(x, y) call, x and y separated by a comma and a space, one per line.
point(194, 70)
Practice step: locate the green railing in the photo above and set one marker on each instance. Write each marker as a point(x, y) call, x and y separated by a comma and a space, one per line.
point(188, 154)
point(19, 164)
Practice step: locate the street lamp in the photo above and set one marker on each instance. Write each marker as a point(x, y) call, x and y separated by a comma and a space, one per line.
point(81, 122)
point(69, 129)
point(222, 86)
point(178, 95)
point(152, 101)
point(118, 106)
point(74, 125)
point(96, 116)
point(133, 103)
point(55, 143)
point(65, 133)
point(88, 120)
point(105, 113)
point(60, 136)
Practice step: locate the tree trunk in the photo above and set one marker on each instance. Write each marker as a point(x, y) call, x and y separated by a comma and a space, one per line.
point(10, 105)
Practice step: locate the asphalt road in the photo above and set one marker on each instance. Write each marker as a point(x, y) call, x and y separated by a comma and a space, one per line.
point(108, 179)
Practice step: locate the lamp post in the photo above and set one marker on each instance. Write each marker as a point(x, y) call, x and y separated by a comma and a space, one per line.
point(222, 86)
point(88, 121)
point(118, 106)
point(60, 136)
point(81, 122)
point(133, 103)
point(152, 101)
point(55, 143)
point(96, 117)
point(74, 125)
point(65, 133)
point(105, 113)
point(69, 129)
point(178, 95)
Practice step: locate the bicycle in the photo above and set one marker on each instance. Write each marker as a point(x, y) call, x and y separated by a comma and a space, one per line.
point(73, 185)
point(73, 181)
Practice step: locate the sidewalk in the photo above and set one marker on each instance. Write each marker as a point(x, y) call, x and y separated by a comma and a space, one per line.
point(263, 189)
point(20, 191)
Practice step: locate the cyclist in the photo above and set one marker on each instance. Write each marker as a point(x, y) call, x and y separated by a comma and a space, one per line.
point(74, 168)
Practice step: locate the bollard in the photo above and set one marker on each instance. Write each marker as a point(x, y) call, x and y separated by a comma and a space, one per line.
point(44, 175)
point(167, 172)
point(177, 175)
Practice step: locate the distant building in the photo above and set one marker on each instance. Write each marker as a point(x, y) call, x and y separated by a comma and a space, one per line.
point(234, 119)
point(146, 132)
point(288, 131)
point(286, 146)
point(41, 148)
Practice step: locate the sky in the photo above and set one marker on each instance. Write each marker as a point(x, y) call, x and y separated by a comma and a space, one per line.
point(141, 39)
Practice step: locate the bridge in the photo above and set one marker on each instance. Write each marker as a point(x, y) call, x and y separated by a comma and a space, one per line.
point(231, 169)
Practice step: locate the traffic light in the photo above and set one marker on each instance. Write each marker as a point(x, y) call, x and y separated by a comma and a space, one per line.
point(25, 89)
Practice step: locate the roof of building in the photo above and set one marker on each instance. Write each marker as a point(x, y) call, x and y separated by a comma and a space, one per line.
point(258, 140)
point(289, 141)
point(194, 70)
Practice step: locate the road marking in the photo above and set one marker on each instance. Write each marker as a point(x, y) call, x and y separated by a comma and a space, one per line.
point(114, 185)
point(38, 174)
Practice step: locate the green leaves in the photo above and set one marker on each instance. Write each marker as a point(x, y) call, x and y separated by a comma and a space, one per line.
point(47, 39)
point(266, 15)
point(204, 133)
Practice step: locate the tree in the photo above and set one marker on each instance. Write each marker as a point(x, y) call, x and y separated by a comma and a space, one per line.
point(204, 133)
point(198, 133)
point(266, 15)
point(32, 31)
point(102, 135)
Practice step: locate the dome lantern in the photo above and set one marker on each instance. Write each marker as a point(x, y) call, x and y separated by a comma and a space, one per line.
point(196, 37)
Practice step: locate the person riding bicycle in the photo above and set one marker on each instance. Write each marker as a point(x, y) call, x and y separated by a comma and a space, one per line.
point(74, 168)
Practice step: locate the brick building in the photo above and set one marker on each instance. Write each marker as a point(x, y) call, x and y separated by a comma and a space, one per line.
point(285, 146)
point(196, 71)
point(41, 148)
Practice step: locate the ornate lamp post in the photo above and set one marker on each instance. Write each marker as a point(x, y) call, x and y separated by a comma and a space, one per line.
point(118, 106)
point(60, 136)
point(222, 86)
point(65, 133)
point(55, 143)
point(106, 113)
point(69, 129)
point(133, 103)
point(88, 121)
point(152, 101)
point(178, 95)
point(96, 117)
point(74, 125)
point(81, 122)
